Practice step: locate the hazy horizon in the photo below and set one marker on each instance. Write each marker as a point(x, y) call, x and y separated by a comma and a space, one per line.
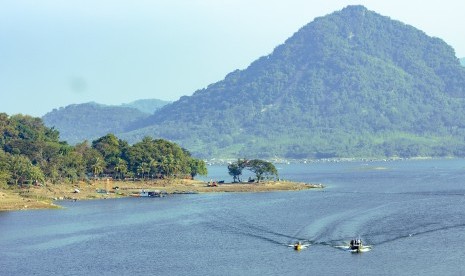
point(56, 53)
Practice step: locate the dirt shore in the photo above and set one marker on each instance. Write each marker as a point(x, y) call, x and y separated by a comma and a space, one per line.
point(40, 197)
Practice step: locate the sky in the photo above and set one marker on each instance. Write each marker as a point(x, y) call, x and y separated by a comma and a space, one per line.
point(54, 53)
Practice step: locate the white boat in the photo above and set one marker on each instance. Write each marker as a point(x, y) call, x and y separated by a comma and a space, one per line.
point(356, 246)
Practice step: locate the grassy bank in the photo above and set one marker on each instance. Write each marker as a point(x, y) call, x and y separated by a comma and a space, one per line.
point(13, 200)
point(39, 197)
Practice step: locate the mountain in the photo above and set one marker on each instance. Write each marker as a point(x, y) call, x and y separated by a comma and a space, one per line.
point(147, 105)
point(352, 83)
point(462, 61)
point(79, 122)
point(88, 121)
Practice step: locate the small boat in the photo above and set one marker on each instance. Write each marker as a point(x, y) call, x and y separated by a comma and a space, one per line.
point(156, 193)
point(356, 246)
point(298, 246)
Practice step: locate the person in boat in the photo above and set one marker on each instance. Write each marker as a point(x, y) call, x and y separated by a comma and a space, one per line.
point(355, 243)
point(298, 245)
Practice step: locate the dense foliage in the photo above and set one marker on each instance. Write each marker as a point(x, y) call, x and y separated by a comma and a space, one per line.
point(30, 153)
point(88, 121)
point(350, 84)
point(262, 169)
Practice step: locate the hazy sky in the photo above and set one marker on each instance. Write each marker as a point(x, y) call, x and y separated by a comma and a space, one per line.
point(58, 52)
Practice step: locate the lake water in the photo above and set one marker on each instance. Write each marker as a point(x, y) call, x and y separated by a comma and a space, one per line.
point(411, 212)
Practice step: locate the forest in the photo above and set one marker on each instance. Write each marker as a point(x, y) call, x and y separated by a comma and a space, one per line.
point(31, 153)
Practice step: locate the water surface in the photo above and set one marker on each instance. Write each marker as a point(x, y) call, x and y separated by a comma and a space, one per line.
point(411, 212)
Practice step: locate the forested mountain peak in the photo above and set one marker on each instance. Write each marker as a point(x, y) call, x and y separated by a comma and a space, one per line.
point(352, 83)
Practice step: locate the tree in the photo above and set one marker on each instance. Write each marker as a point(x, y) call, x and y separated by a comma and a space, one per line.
point(143, 168)
point(121, 168)
point(22, 170)
point(31, 152)
point(35, 174)
point(261, 168)
point(109, 148)
point(164, 158)
point(235, 169)
point(5, 174)
point(93, 159)
point(73, 166)
point(19, 165)
point(97, 165)
point(198, 167)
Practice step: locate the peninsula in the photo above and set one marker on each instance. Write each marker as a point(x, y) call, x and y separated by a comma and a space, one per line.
point(42, 197)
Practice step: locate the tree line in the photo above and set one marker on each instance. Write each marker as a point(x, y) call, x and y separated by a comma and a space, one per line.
point(31, 153)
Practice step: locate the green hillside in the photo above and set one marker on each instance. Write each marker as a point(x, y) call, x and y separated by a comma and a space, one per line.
point(88, 121)
point(79, 122)
point(352, 83)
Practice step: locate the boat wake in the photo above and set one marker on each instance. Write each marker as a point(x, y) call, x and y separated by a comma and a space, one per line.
point(365, 248)
point(383, 223)
point(240, 226)
point(378, 224)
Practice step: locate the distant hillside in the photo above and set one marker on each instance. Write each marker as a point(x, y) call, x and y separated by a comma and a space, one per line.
point(462, 61)
point(79, 122)
point(352, 83)
point(147, 105)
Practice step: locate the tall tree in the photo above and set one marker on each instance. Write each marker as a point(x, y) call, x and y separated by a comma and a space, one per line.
point(109, 148)
point(121, 167)
point(198, 167)
point(97, 164)
point(235, 169)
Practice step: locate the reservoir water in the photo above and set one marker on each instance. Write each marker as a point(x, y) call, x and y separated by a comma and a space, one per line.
point(412, 213)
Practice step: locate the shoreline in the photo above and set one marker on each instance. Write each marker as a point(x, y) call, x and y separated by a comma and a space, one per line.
point(284, 161)
point(43, 197)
